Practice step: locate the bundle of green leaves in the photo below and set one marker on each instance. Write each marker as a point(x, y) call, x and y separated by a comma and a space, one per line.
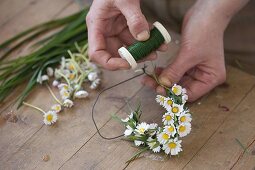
point(25, 69)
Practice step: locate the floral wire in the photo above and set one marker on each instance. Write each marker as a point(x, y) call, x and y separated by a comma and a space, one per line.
point(108, 88)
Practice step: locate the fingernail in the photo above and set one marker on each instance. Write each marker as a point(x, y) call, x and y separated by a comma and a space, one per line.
point(165, 81)
point(142, 36)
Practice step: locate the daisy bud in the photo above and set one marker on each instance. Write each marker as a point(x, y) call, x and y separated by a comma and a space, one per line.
point(81, 94)
point(68, 103)
point(39, 79)
point(50, 71)
point(63, 62)
point(45, 78)
point(77, 87)
point(92, 76)
point(56, 74)
point(63, 86)
point(55, 83)
point(95, 84)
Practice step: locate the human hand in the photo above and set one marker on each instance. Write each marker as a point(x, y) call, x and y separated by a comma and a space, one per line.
point(112, 24)
point(199, 65)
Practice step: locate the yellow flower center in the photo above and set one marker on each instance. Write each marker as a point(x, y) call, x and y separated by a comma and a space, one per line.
point(141, 130)
point(71, 76)
point(71, 67)
point(175, 109)
point(66, 94)
point(161, 99)
point(49, 117)
point(65, 87)
point(182, 128)
point(175, 90)
point(168, 117)
point(171, 129)
point(57, 108)
point(183, 119)
point(170, 102)
point(172, 145)
point(165, 136)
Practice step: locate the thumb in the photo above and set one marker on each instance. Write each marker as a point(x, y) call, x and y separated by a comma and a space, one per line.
point(175, 71)
point(136, 21)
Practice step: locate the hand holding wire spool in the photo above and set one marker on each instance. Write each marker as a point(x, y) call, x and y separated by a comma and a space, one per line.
point(140, 49)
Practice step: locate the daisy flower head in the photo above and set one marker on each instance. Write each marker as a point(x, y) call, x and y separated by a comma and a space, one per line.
point(50, 118)
point(142, 128)
point(153, 127)
point(55, 83)
point(184, 129)
point(160, 99)
point(56, 107)
point(50, 71)
point(138, 142)
point(168, 118)
point(173, 147)
point(65, 94)
point(184, 98)
point(95, 84)
point(63, 86)
point(170, 130)
point(92, 76)
point(168, 103)
point(153, 144)
point(185, 118)
point(68, 103)
point(176, 109)
point(177, 89)
point(128, 131)
point(45, 78)
point(163, 137)
point(81, 94)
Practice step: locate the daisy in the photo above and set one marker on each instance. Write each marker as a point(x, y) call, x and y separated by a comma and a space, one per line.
point(184, 129)
point(50, 117)
point(168, 118)
point(68, 103)
point(56, 107)
point(65, 94)
point(81, 94)
point(173, 147)
point(142, 127)
point(185, 118)
point(177, 89)
point(160, 99)
point(128, 131)
point(55, 83)
point(163, 137)
point(153, 145)
point(176, 109)
point(168, 103)
point(153, 128)
point(138, 142)
point(95, 84)
point(50, 71)
point(92, 76)
point(170, 130)
point(71, 76)
point(184, 98)
point(45, 78)
point(63, 86)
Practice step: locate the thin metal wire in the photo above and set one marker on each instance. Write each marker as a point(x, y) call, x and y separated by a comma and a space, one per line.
point(108, 88)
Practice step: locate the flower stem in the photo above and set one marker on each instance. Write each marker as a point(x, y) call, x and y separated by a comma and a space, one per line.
point(53, 95)
point(35, 107)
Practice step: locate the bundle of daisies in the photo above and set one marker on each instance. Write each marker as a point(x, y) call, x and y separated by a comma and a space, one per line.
point(176, 124)
point(70, 77)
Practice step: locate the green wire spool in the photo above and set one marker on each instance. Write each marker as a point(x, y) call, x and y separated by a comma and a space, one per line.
point(140, 49)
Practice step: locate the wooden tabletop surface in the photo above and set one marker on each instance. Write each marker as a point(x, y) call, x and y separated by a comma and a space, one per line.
point(73, 142)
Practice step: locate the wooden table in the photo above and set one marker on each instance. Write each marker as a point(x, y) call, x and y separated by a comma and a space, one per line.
point(73, 143)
